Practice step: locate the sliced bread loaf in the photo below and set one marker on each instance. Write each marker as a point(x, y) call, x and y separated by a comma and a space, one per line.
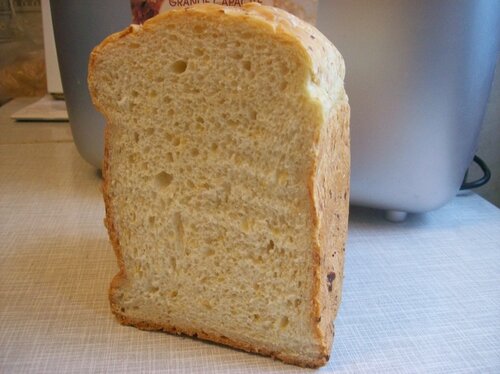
point(226, 177)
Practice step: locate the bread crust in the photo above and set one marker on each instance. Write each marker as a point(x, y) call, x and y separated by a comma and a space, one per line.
point(326, 66)
point(198, 333)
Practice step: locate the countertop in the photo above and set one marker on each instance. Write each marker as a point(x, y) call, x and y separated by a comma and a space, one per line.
point(422, 296)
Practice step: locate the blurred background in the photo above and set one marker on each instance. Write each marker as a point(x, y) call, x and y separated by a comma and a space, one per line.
point(23, 73)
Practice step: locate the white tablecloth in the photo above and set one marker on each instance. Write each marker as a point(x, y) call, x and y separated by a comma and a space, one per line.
point(421, 296)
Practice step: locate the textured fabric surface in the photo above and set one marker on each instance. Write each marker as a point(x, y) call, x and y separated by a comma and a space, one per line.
point(12, 132)
point(422, 296)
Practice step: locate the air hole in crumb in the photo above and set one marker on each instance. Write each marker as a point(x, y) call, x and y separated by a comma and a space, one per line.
point(256, 317)
point(167, 100)
point(227, 191)
point(253, 115)
point(284, 322)
point(135, 93)
point(282, 177)
point(153, 93)
point(163, 179)
point(160, 79)
point(270, 245)
point(209, 252)
point(169, 157)
point(247, 65)
point(170, 112)
point(200, 119)
point(199, 51)
point(152, 220)
point(284, 86)
point(190, 184)
point(150, 131)
point(179, 228)
point(134, 45)
point(136, 137)
point(173, 261)
point(246, 225)
point(214, 147)
point(174, 294)
point(199, 29)
point(207, 304)
point(236, 55)
point(133, 158)
point(238, 159)
point(179, 66)
point(195, 152)
point(153, 289)
point(176, 141)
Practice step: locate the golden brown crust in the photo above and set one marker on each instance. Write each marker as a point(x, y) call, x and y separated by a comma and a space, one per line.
point(333, 207)
point(326, 66)
point(330, 215)
point(198, 333)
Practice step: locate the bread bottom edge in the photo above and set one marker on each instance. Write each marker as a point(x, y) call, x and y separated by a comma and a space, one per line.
point(313, 363)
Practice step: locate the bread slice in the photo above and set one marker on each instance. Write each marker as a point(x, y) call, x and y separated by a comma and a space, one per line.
point(226, 177)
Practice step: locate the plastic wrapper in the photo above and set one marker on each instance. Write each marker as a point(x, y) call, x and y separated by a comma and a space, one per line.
point(145, 9)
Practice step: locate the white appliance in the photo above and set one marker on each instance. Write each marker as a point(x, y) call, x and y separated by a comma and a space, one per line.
point(54, 84)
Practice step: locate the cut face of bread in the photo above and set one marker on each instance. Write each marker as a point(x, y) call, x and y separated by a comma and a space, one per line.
point(226, 177)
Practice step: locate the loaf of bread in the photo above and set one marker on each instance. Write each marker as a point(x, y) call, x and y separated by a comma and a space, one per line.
point(226, 177)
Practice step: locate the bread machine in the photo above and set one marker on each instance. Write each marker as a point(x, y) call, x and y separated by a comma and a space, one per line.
point(418, 78)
